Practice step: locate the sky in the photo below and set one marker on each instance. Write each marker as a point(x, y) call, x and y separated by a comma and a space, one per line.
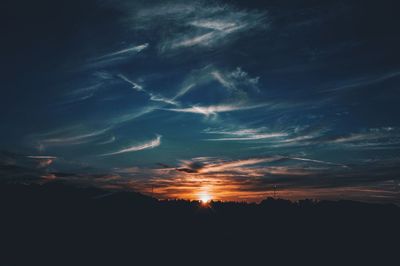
point(228, 100)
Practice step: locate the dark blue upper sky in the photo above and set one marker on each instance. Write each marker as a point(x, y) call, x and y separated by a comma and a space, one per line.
point(227, 99)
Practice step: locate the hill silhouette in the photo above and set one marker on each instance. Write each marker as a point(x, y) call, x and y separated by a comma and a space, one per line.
point(60, 224)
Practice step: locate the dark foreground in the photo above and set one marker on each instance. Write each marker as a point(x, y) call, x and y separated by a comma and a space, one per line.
point(55, 224)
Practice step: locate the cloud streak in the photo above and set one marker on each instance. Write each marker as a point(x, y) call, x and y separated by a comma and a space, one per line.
point(244, 134)
point(213, 31)
point(69, 137)
point(139, 147)
point(196, 25)
point(116, 57)
point(152, 96)
point(82, 94)
point(366, 81)
point(108, 141)
point(130, 50)
point(236, 81)
point(205, 165)
point(213, 110)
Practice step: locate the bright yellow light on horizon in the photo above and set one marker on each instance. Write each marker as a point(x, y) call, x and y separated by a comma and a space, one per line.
point(204, 198)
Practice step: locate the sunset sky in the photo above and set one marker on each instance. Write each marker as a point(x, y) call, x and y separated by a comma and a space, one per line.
point(230, 100)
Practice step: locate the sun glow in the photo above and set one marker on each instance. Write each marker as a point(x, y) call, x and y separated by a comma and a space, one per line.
point(205, 198)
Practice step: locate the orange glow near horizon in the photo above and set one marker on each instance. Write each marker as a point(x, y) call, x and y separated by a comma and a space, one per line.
point(245, 184)
point(203, 188)
point(205, 197)
point(217, 180)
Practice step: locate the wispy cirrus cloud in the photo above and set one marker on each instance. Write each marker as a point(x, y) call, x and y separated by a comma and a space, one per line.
point(74, 139)
point(368, 135)
point(253, 179)
point(116, 57)
point(43, 161)
point(132, 115)
point(107, 141)
point(223, 27)
point(236, 80)
point(138, 147)
point(364, 81)
point(81, 94)
point(135, 85)
point(23, 163)
point(68, 136)
point(251, 137)
point(160, 98)
point(213, 110)
point(372, 138)
point(249, 179)
point(134, 49)
point(244, 134)
point(194, 80)
point(205, 165)
point(317, 161)
point(41, 157)
point(185, 89)
point(152, 96)
point(219, 165)
point(194, 24)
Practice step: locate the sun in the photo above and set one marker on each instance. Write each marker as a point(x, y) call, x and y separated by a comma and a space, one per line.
point(205, 198)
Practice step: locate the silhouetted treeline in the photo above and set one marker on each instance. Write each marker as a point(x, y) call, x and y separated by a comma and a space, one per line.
point(58, 224)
